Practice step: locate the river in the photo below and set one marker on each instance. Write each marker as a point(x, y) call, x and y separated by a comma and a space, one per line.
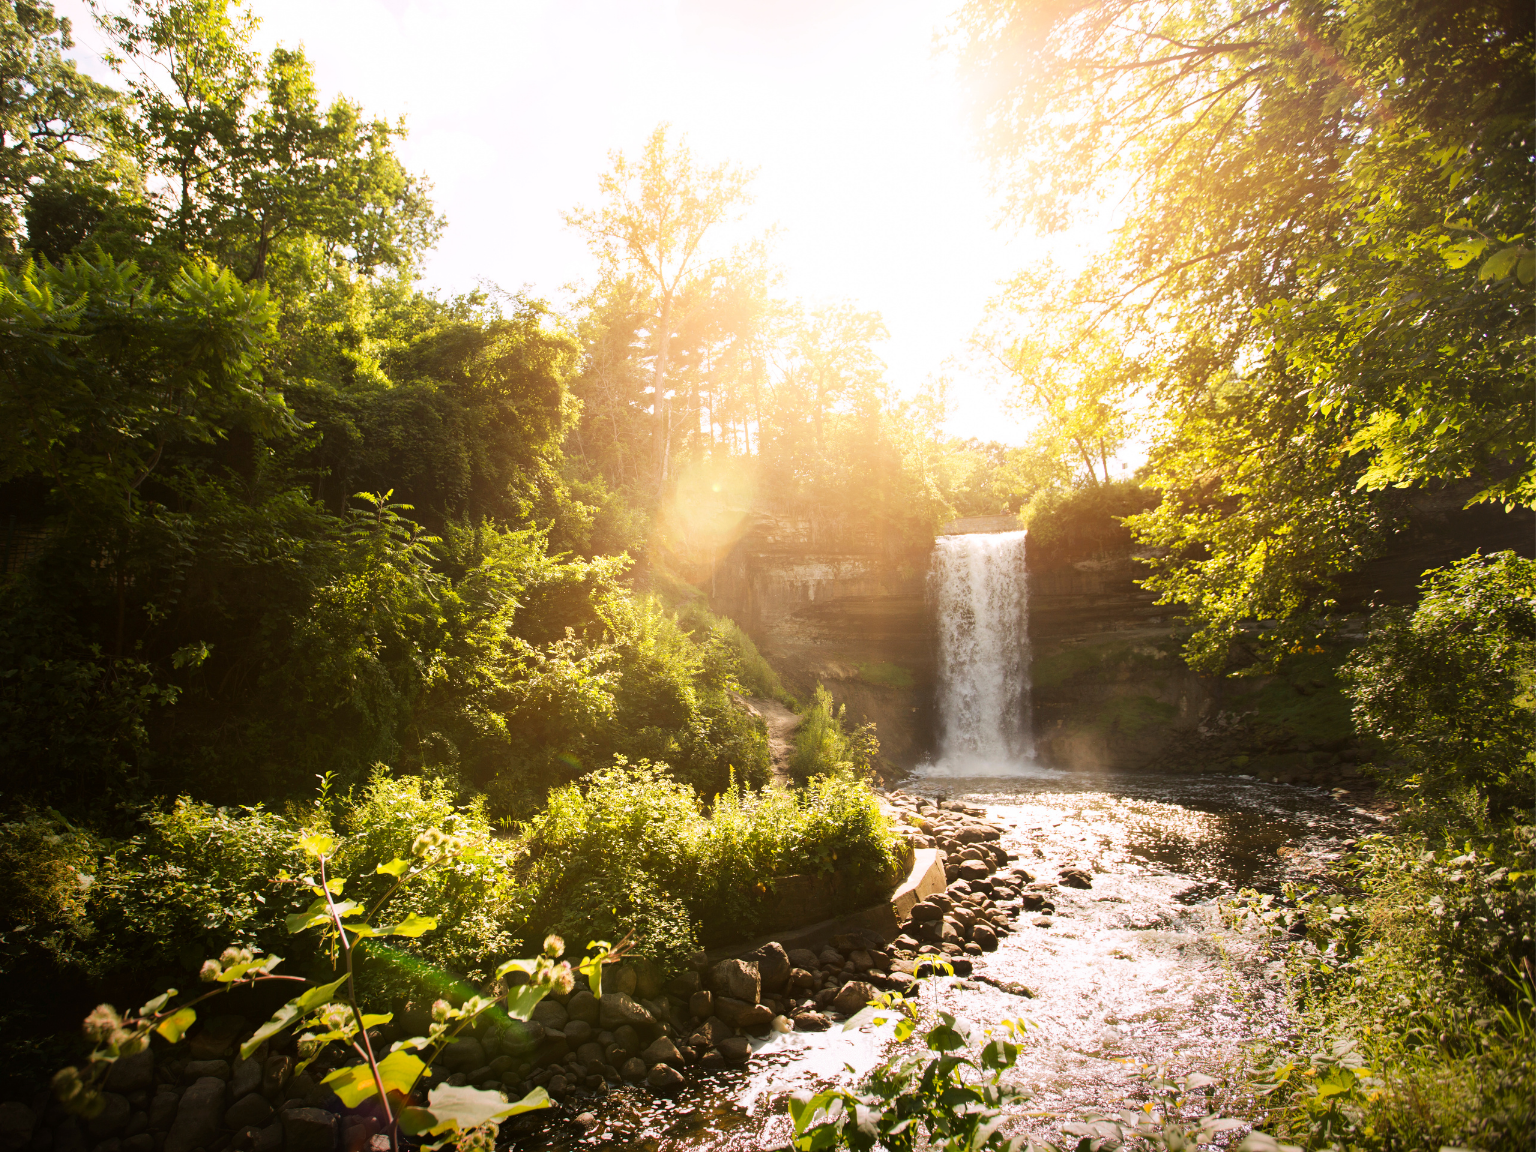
point(1136, 971)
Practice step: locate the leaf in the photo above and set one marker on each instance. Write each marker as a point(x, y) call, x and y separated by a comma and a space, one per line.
point(464, 1108)
point(354, 1083)
point(522, 1000)
point(1500, 264)
point(413, 925)
point(318, 843)
point(1461, 254)
point(259, 966)
point(296, 1008)
point(175, 1026)
point(318, 913)
point(395, 867)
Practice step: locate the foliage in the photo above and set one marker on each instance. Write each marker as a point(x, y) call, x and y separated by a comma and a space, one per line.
point(630, 840)
point(823, 744)
point(1416, 995)
point(1320, 263)
point(726, 641)
point(1450, 687)
point(1075, 523)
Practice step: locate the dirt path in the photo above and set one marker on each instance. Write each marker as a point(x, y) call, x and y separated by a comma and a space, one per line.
point(781, 724)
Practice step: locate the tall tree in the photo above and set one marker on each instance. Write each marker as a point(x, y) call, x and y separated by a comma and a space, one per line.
point(654, 218)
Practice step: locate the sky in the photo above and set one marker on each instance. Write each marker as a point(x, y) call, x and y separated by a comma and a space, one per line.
point(858, 129)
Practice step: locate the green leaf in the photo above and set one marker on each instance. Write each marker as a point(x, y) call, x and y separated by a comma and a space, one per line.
point(318, 843)
point(318, 995)
point(522, 1000)
point(415, 1121)
point(413, 925)
point(259, 966)
point(395, 867)
point(1461, 254)
point(175, 1026)
point(354, 1083)
point(460, 1109)
point(295, 1009)
point(1500, 264)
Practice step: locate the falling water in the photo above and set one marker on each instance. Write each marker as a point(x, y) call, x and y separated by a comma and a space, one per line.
point(981, 592)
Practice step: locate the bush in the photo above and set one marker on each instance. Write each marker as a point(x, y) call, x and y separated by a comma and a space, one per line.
point(824, 746)
point(1450, 687)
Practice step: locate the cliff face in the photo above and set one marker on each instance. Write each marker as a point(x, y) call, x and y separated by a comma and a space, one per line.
point(828, 603)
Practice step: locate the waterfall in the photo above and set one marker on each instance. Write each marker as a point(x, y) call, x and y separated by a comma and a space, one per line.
point(980, 591)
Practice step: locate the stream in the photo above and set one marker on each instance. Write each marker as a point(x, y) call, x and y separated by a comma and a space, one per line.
point(1136, 971)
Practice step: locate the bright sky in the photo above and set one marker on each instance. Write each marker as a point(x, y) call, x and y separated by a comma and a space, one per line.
point(865, 159)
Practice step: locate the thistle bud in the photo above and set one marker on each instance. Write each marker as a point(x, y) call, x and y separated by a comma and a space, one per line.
point(210, 971)
point(563, 980)
point(101, 1023)
point(441, 1010)
point(554, 946)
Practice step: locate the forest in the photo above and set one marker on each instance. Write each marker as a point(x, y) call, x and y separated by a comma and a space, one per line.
point(312, 574)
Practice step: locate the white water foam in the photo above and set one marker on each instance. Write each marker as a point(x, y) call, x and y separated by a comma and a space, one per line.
point(980, 590)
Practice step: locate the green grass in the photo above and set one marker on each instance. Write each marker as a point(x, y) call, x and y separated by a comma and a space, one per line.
point(886, 675)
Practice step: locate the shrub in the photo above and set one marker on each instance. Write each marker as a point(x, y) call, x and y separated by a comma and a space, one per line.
point(1450, 687)
point(823, 744)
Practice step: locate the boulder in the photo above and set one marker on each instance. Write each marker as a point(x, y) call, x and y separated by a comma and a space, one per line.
point(619, 978)
point(617, 1009)
point(743, 1016)
point(634, 1068)
point(69, 1136)
point(217, 1037)
point(859, 938)
point(246, 1078)
point(922, 912)
point(582, 1006)
point(578, 1032)
point(738, 979)
point(907, 943)
point(251, 1110)
point(198, 1114)
point(112, 1117)
point(130, 1074)
point(861, 960)
point(275, 1074)
point(830, 958)
point(664, 1078)
point(710, 1033)
point(973, 870)
point(270, 1138)
point(773, 966)
point(803, 978)
point(662, 1051)
point(197, 1069)
point(627, 1036)
point(853, 996)
point(648, 981)
point(468, 1053)
point(736, 1050)
point(162, 1109)
point(1075, 878)
point(803, 958)
point(309, 1130)
point(985, 937)
point(591, 1053)
point(811, 1022)
point(550, 1013)
point(685, 985)
point(702, 1005)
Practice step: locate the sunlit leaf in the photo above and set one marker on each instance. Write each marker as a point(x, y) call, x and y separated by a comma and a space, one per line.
point(175, 1026)
point(465, 1108)
point(354, 1083)
point(395, 867)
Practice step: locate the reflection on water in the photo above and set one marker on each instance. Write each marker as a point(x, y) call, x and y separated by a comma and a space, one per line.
point(1135, 970)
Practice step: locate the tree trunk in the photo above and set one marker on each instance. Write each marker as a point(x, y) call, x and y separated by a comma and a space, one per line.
point(661, 411)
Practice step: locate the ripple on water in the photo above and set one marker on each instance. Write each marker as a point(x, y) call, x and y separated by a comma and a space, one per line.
point(1137, 970)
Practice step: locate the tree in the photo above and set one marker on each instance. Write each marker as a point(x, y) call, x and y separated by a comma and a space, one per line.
point(652, 224)
point(1321, 238)
point(53, 119)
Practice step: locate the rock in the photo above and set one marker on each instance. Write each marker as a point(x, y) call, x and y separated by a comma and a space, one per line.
point(130, 1074)
point(619, 978)
point(591, 1053)
point(309, 1130)
point(197, 1069)
point(662, 1051)
point(803, 958)
point(198, 1114)
point(902, 982)
point(861, 960)
point(984, 937)
point(741, 1015)
point(648, 982)
point(162, 1109)
point(1075, 878)
point(702, 1005)
point(973, 870)
point(811, 1022)
point(587, 1121)
point(463, 1055)
point(583, 1006)
point(737, 979)
point(246, 1078)
point(658, 1008)
point(951, 932)
point(853, 996)
point(846, 942)
point(143, 1142)
point(634, 1068)
point(685, 985)
point(710, 1033)
point(558, 1085)
point(16, 1124)
point(1041, 921)
point(923, 911)
point(550, 1013)
point(830, 958)
point(973, 853)
point(578, 1032)
point(275, 1073)
point(218, 1035)
point(773, 966)
point(803, 978)
point(617, 1009)
point(735, 1050)
point(270, 1138)
point(907, 944)
point(112, 1117)
point(627, 1037)
point(251, 1109)
point(664, 1079)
